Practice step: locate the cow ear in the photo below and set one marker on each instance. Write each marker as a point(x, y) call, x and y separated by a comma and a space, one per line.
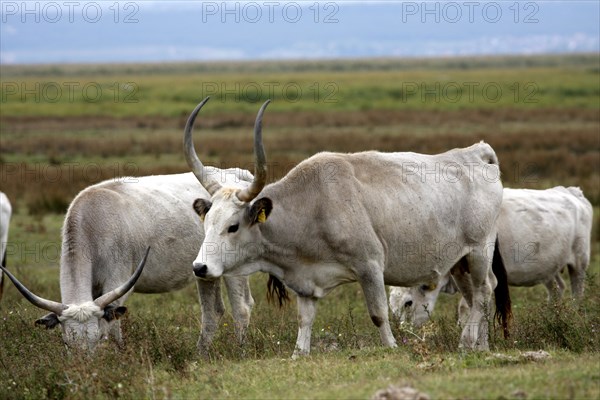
point(112, 312)
point(201, 207)
point(260, 210)
point(49, 321)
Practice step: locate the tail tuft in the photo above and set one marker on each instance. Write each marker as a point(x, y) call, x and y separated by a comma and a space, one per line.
point(503, 304)
point(276, 289)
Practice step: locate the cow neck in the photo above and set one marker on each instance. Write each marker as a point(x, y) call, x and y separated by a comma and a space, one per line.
point(76, 261)
point(279, 237)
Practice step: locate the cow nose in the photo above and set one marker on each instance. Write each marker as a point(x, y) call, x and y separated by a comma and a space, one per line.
point(200, 270)
point(408, 303)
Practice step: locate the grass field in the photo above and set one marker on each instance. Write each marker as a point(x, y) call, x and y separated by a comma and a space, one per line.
point(322, 87)
point(50, 150)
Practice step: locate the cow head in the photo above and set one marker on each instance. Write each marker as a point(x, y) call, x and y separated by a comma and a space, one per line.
point(414, 305)
point(84, 324)
point(231, 218)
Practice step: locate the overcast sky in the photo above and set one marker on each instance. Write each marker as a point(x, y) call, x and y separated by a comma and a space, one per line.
point(143, 31)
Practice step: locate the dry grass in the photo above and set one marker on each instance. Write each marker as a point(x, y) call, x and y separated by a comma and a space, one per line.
point(46, 164)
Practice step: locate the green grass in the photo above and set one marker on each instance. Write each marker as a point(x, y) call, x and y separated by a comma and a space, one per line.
point(359, 374)
point(71, 91)
point(34, 240)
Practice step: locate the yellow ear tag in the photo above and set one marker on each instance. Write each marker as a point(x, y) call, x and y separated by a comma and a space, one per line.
point(262, 217)
point(202, 217)
point(432, 286)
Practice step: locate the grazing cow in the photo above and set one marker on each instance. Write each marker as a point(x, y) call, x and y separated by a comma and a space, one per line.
point(107, 228)
point(81, 321)
point(5, 213)
point(338, 218)
point(540, 232)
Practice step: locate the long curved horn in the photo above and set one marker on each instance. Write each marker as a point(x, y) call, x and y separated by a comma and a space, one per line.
point(114, 294)
point(37, 301)
point(260, 167)
point(206, 180)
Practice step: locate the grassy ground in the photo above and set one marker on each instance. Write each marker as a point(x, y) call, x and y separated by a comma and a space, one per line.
point(49, 151)
point(159, 358)
point(322, 88)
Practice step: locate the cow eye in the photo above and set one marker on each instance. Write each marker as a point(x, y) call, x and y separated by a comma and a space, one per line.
point(233, 228)
point(425, 288)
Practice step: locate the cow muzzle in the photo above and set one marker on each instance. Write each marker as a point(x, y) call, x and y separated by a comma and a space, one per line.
point(200, 270)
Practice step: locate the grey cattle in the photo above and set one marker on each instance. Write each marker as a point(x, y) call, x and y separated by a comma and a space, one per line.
point(338, 218)
point(107, 228)
point(5, 213)
point(540, 232)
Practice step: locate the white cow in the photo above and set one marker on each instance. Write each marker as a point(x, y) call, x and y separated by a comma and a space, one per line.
point(540, 232)
point(107, 228)
point(5, 213)
point(338, 218)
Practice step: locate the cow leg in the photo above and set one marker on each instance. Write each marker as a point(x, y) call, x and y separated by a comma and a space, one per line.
point(212, 309)
point(375, 296)
point(461, 281)
point(461, 275)
point(560, 284)
point(240, 298)
point(307, 309)
point(460, 272)
point(577, 275)
point(462, 278)
point(463, 312)
point(555, 287)
point(475, 331)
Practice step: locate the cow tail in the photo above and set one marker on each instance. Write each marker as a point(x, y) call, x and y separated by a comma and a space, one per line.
point(503, 305)
point(277, 290)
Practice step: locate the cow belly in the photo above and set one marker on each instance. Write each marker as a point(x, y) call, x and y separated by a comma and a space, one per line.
point(160, 279)
point(162, 286)
point(408, 277)
point(531, 274)
point(413, 263)
point(316, 280)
